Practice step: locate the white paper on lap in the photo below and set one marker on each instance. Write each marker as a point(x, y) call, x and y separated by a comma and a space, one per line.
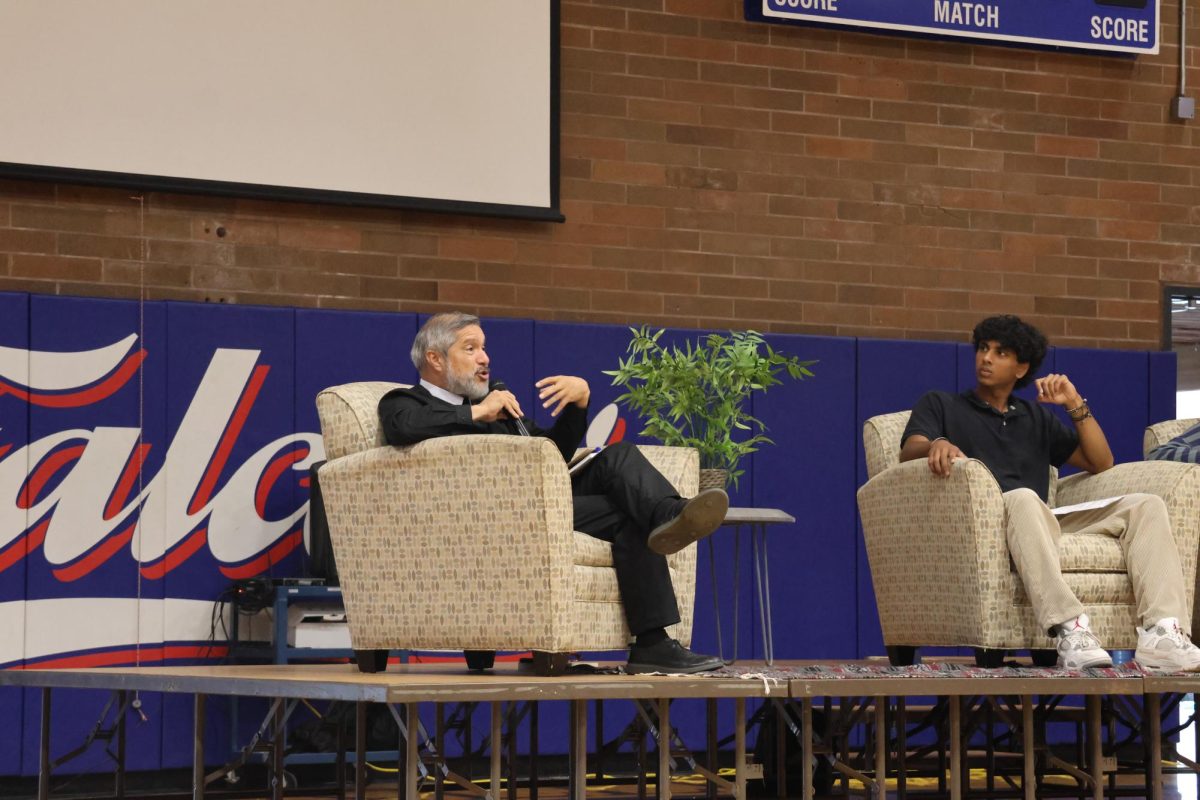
point(1088, 506)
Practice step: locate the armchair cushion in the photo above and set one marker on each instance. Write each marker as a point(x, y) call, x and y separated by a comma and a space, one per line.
point(1090, 552)
point(1100, 589)
point(596, 585)
point(591, 552)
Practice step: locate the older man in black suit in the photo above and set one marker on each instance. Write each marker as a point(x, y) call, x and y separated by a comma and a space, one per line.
point(619, 497)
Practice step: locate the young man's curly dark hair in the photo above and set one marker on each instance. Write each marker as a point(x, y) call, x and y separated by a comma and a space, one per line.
point(1027, 342)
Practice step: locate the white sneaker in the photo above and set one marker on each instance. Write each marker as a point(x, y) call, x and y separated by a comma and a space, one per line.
point(1163, 646)
point(1078, 647)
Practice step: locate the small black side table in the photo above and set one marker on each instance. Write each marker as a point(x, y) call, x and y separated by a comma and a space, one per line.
point(756, 520)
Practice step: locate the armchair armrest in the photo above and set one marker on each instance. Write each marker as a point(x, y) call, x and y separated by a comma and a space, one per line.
point(1176, 483)
point(938, 552)
point(453, 539)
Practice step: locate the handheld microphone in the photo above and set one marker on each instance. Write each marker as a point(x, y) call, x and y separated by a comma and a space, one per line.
point(499, 386)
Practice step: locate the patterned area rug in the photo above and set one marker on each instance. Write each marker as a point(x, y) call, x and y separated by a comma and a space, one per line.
point(932, 669)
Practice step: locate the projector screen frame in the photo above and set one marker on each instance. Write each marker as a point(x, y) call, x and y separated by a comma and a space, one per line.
point(253, 191)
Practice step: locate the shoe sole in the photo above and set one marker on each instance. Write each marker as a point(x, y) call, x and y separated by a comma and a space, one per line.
point(1105, 662)
point(646, 669)
point(700, 517)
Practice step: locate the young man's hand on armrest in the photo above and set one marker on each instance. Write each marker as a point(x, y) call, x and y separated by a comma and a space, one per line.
point(940, 453)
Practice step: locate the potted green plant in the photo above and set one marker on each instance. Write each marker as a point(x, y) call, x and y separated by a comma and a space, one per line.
point(696, 396)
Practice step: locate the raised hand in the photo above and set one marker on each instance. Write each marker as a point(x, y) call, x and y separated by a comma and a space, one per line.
point(1059, 390)
point(559, 390)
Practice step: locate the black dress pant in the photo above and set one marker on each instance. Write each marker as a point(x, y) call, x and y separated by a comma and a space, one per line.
point(617, 499)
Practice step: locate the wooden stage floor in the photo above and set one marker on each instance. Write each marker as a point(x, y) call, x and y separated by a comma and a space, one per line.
point(872, 698)
point(404, 683)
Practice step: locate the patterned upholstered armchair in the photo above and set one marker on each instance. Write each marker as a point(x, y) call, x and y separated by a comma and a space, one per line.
point(939, 557)
point(465, 542)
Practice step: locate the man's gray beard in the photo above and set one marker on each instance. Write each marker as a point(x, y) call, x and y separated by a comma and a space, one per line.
point(466, 385)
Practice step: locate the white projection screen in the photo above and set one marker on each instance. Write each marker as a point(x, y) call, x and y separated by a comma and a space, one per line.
point(446, 105)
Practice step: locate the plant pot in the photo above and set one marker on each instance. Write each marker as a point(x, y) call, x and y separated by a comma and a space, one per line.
point(713, 479)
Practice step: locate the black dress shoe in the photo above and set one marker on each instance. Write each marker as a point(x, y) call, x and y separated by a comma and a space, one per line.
point(668, 656)
point(699, 517)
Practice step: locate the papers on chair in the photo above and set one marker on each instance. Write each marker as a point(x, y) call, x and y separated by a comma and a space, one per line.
point(582, 459)
point(1090, 505)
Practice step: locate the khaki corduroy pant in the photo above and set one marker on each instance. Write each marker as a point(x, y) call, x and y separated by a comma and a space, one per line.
point(1138, 521)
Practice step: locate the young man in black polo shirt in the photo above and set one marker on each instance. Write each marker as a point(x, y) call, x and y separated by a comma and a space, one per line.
point(1019, 441)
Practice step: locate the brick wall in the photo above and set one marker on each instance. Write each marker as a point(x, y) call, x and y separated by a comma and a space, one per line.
point(727, 174)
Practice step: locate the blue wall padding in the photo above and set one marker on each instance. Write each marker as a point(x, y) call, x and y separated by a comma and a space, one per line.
point(1107, 379)
point(195, 332)
point(892, 375)
point(93, 322)
point(821, 587)
point(583, 350)
point(14, 434)
point(811, 474)
point(1161, 386)
point(64, 324)
point(334, 347)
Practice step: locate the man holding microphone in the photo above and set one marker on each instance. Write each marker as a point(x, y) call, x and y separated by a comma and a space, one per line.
point(619, 497)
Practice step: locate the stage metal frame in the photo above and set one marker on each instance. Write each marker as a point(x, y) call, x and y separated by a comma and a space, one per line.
point(402, 689)
point(1158, 686)
point(876, 694)
point(861, 700)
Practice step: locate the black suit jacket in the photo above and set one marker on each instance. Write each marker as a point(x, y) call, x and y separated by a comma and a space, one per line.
point(414, 415)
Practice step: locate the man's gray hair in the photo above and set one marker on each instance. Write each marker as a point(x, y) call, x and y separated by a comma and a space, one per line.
point(438, 333)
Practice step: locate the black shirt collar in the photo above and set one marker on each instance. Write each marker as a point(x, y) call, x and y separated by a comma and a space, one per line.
point(1016, 406)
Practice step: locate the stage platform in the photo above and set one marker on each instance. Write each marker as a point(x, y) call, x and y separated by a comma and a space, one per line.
point(401, 683)
point(870, 695)
point(401, 688)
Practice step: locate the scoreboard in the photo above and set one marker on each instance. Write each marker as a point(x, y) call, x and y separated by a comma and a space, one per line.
point(1120, 26)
